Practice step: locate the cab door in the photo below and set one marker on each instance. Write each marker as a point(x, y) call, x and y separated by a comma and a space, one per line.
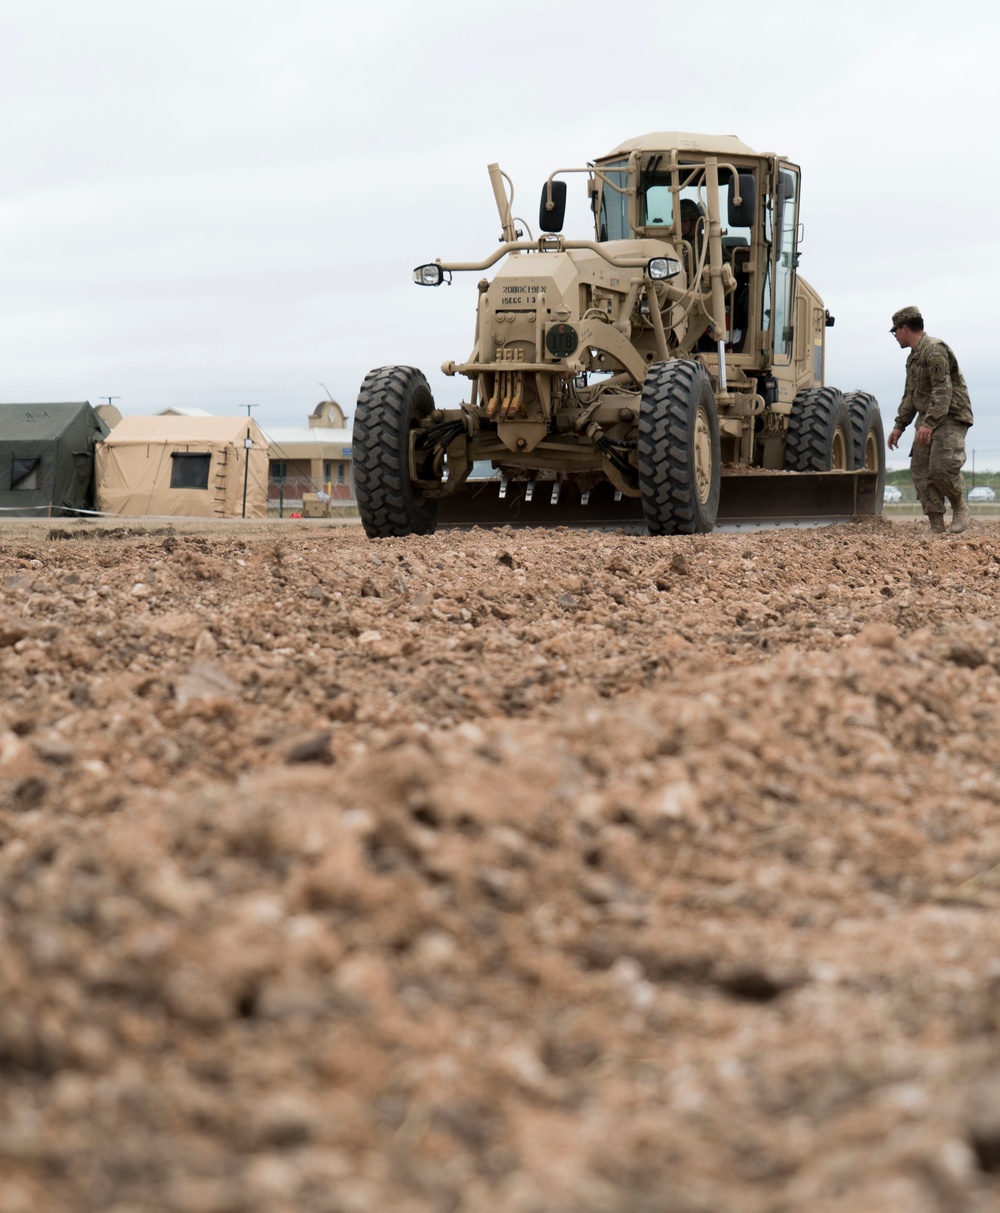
point(782, 234)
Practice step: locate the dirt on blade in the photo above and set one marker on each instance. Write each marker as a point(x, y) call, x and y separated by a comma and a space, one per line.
point(530, 872)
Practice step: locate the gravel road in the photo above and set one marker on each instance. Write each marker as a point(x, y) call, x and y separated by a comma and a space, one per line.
point(499, 872)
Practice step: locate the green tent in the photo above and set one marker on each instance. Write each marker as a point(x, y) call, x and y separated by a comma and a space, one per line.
point(47, 458)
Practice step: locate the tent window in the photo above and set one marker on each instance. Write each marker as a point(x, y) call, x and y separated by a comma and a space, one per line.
point(189, 471)
point(24, 473)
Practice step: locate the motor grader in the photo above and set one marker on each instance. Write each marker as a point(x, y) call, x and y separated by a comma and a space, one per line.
point(670, 370)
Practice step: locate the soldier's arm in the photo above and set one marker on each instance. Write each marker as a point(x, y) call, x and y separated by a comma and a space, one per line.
point(906, 411)
point(940, 376)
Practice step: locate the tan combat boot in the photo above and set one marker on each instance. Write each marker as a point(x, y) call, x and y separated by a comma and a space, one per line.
point(959, 517)
point(937, 523)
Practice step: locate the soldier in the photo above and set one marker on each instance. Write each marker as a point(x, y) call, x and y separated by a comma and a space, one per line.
point(692, 225)
point(937, 396)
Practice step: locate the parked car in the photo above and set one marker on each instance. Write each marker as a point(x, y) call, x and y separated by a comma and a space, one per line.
point(983, 493)
point(892, 493)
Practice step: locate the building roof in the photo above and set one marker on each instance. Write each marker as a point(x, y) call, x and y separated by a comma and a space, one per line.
point(287, 437)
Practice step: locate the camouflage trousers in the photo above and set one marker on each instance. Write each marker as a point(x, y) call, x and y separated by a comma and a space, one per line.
point(936, 467)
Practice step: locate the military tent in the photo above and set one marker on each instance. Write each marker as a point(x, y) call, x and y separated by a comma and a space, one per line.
point(169, 466)
point(47, 458)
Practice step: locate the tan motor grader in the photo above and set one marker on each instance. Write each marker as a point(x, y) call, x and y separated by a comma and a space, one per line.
point(670, 370)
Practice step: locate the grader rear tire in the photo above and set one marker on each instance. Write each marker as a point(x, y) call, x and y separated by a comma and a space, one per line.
point(868, 436)
point(391, 401)
point(819, 437)
point(679, 460)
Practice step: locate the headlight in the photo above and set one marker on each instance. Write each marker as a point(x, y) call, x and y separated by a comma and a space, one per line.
point(661, 268)
point(430, 275)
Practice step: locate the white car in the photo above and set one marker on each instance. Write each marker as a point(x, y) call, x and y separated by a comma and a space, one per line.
point(892, 493)
point(983, 493)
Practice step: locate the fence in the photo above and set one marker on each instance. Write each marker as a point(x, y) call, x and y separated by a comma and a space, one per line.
point(285, 495)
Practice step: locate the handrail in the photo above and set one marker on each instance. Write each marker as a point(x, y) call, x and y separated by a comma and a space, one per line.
point(547, 244)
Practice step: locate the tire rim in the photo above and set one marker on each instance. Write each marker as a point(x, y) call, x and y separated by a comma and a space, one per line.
point(838, 454)
point(702, 455)
point(871, 453)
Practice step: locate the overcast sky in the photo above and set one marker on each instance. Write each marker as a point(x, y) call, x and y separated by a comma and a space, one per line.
point(215, 203)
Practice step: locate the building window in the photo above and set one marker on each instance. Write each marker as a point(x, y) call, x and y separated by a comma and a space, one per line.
point(189, 471)
point(279, 471)
point(24, 473)
point(328, 469)
point(340, 473)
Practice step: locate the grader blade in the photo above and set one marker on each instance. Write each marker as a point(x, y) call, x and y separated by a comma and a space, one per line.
point(756, 498)
point(813, 497)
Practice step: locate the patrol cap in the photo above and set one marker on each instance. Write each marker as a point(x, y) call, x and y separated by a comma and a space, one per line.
point(905, 315)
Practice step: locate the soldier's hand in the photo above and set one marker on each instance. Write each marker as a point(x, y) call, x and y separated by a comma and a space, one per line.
point(924, 435)
point(894, 437)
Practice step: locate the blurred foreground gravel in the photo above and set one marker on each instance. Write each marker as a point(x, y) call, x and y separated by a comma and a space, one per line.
point(520, 872)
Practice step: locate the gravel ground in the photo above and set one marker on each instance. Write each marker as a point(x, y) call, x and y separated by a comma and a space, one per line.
point(520, 872)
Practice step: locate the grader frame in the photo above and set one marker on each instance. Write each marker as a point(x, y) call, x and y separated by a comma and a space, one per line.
point(672, 367)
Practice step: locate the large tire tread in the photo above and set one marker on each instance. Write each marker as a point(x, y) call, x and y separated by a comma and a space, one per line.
point(672, 394)
point(390, 400)
point(866, 424)
point(817, 413)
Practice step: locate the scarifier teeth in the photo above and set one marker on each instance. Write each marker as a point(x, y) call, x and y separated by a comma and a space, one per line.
point(503, 487)
point(529, 490)
point(585, 497)
point(554, 499)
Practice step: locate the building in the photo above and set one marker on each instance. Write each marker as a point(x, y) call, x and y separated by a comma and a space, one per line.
point(311, 459)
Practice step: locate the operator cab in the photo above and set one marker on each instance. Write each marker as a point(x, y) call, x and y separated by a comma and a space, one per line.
point(646, 186)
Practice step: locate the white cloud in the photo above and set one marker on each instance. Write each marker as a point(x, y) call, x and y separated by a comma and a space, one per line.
point(216, 202)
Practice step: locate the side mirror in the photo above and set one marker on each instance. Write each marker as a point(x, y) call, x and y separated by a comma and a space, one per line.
point(742, 215)
point(551, 216)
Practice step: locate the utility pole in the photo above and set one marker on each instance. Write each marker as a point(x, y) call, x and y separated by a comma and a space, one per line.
point(247, 444)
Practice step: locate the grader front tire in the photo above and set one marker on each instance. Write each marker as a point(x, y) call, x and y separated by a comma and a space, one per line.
point(391, 402)
point(679, 460)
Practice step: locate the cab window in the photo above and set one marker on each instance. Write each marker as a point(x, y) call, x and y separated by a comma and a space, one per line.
point(613, 224)
point(785, 209)
point(657, 204)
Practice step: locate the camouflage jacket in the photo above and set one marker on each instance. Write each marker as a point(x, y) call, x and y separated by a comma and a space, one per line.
point(935, 389)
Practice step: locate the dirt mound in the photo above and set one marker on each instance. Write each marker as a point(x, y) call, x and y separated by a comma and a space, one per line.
point(523, 872)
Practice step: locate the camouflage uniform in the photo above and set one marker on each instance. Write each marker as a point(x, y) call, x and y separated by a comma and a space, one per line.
point(937, 396)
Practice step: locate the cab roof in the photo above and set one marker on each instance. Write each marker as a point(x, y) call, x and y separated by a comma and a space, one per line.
point(664, 141)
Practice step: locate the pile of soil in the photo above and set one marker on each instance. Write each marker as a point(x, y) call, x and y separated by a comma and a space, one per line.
point(529, 872)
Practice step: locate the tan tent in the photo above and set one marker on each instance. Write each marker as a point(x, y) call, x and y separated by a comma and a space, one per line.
point(169, 466)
